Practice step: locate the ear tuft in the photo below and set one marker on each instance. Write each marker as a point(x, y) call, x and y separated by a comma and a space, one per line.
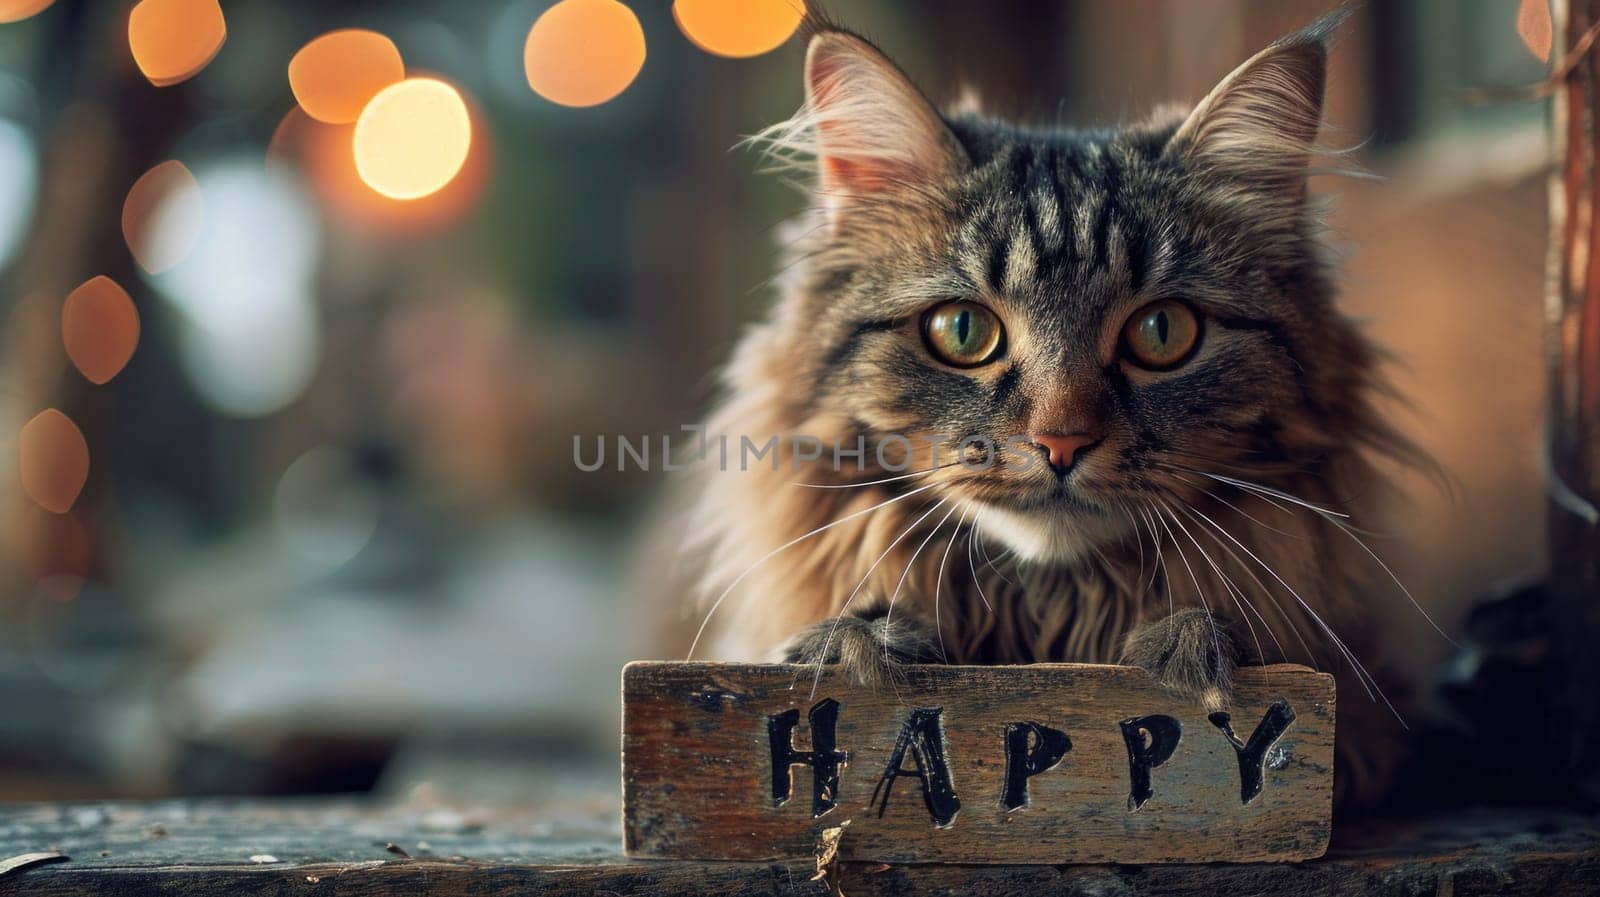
point(1260, 124)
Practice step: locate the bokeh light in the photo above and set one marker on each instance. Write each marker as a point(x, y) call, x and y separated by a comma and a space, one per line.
point(738, 28)
point(19, 186)
point(17, 10)
point(164, 202)
point(249, 339)
point(54, 460)
point(1535, 28)
point(323, 154)
point(413, 138)
point(334, 76)
point(100, 328)
point(583, 52)
point(172, 40)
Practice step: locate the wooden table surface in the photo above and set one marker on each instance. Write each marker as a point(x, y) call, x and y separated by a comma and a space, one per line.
point(317, 847)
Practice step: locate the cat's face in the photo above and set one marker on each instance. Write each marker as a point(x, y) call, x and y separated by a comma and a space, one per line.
point(1088, 322)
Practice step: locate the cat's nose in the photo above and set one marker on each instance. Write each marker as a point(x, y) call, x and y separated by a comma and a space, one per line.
point(1064, 450)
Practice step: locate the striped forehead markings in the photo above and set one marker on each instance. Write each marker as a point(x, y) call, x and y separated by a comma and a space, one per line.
point(1026, 223)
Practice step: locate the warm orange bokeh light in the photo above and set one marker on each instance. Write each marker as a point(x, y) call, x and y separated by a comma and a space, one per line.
point(100, 328)
point(170, 190)
point(172, 40)
point(738, 28)
point(334, 76)
point(412, 139)
point(54, 459)
point(1535, 28)
point(323, 152)
point(583, 52)
point(17, 10)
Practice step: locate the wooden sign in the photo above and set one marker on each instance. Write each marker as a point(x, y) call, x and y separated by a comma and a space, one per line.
point(1053, 763)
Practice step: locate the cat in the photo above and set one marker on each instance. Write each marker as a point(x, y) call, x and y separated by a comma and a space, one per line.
point(1079, 395)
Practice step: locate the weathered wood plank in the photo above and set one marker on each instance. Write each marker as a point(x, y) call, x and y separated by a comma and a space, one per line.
point(1053, 763)
point(201, 848)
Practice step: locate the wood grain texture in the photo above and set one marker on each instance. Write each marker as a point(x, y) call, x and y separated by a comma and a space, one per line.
point(697, 767)
point(328, 847)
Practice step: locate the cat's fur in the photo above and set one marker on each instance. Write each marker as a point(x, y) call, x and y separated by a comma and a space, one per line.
point(1139, 554)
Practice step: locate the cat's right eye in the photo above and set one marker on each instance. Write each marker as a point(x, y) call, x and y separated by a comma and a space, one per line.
point(963, 334)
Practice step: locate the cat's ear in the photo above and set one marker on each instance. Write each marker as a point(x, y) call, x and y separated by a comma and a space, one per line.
point(1260, 124)
point(875, 132)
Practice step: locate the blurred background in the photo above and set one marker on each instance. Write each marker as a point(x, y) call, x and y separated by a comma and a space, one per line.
point(305, 517)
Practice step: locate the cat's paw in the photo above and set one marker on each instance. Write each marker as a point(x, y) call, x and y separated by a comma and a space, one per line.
point(1191, 652)
point(871, 645)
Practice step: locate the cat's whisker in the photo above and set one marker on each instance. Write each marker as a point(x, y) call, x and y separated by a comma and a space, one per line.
point(1138, 541)
point(972, 533)
point(1138, 544)
point(1216, 640)
point(1240, 599)
point(1236, 594)
point(1338, 519)
point(983, 550)
point(1277, 493)
point(1242, 512)
point(1288, 510)
point(700, 633)
point(1250, 517)
point(1271, 496)
point(1010, 558)
point(1370, 683)
point(1161, 561)
point(894, 479)
point(1311, 656)
point(1145, 585)
point(1200, 516)
point(938, 583)
point(845, 608)
point(1350, 531)
point(888, 618)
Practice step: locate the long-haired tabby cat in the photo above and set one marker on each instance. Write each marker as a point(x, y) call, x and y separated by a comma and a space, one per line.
point(1053, 395)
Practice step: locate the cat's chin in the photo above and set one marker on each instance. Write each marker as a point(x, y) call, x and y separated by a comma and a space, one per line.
point(1048, 535)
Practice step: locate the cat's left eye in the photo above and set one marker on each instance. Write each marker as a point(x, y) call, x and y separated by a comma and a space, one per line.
point(1161, 335)
point(963, 334)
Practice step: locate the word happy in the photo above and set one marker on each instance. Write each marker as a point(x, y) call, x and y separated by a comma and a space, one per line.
point(1031, 749)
